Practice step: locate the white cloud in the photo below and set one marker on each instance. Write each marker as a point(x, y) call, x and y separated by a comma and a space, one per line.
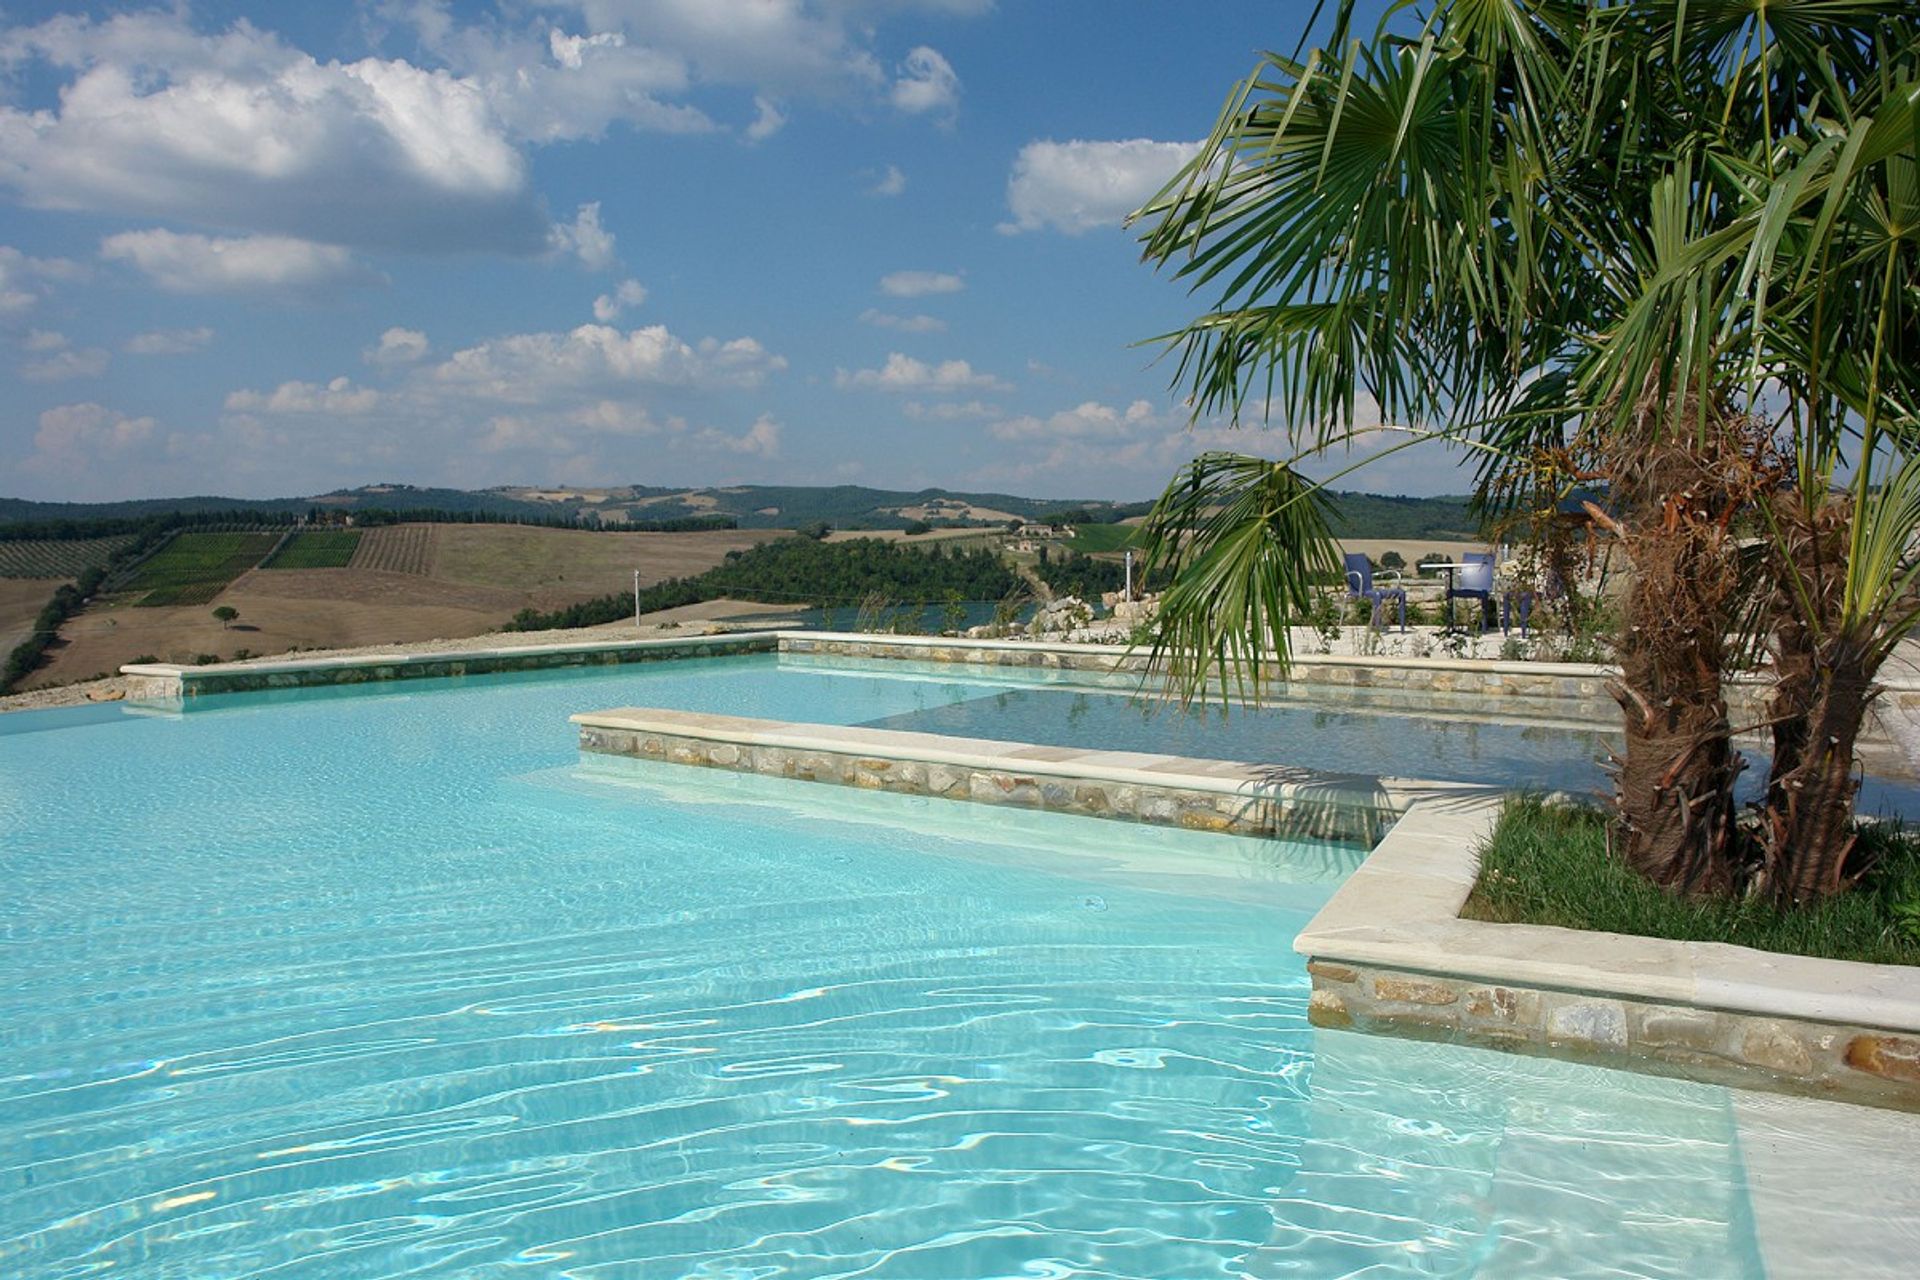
point(891, 182)
point(761, 440)
point(61, 362)
point(339, 396)
point(1089, 419)
point(237, 129)
point(22, 278)
point(584, 238)
point(949, 410)
point(781, 46)
point(768, 119)
point(905, 324)
point(531, 367)
point(76, 443)
point(608, 306)
point(917, 284)
point(1078, 186)
point(169, 342)
point(44, 340)
point(927, 83)
point(205, 264)
point(398, 346)
point(904, 373)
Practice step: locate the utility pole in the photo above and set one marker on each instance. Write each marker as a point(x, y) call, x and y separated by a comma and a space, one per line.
point(636, 597)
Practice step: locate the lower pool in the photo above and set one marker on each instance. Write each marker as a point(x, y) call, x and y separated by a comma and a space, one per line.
point(391, 982)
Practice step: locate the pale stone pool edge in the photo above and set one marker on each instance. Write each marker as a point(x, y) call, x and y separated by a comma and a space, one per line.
point(1389, 953)
point(1200, 795)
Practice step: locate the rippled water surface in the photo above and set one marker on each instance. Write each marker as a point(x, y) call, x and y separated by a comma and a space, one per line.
point(391, 983)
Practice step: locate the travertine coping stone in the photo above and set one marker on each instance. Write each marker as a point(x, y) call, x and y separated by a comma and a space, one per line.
point(1572, 682)
point(1389, 953)
point(1204, 795)
point(159, 681)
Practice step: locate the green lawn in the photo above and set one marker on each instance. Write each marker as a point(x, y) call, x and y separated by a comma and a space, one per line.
point(1091, 539)
point(196, 567)
point(317, 549)
point(1548, 864)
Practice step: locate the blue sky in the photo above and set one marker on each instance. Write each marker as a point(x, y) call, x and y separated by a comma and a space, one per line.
point(273, 248)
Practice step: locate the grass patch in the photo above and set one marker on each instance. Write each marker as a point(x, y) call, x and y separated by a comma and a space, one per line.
point(1092, 539)
point(196, 567)
point(1548, 864)
point(317, 549)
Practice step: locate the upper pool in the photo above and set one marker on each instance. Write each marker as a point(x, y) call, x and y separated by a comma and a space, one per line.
point(390, 982)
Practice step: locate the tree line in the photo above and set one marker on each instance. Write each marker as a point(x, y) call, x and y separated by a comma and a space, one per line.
point(70, 597)
point(807, 572)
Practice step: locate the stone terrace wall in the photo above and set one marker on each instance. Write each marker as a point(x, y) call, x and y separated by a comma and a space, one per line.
point(162, 681)
point(1748, 1050)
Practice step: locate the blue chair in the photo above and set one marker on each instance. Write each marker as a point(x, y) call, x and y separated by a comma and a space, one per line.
point(1473, 582)
point(1520, 603)
point(1360, 587)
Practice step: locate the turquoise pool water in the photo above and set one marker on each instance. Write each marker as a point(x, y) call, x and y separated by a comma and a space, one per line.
point(390, 982)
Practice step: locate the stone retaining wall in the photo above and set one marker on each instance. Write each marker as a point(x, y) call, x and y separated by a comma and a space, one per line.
point(155, 682)
point(1747, 1050)
point(1563, 681)
point(1390, 953)
point(1072, 782)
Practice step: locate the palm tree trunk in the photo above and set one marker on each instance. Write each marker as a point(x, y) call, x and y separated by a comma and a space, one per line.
point(1823, 688)
point(1807, 836)
point(1676, 491)
point(1675, 776)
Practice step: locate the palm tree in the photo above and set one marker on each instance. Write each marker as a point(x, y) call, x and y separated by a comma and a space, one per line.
point(1610, 234)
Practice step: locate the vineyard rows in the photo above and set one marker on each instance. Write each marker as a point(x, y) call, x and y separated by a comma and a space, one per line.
point(67, 558)
point(397, 548)
point(316, 549)
point(196, 567)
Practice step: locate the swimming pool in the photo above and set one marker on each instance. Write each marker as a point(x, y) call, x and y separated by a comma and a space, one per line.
point(387, 981)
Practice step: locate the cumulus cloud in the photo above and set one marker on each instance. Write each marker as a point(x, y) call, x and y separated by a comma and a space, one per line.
point(761, 440)
point(926, 83)
point(77, 444)
point(1088, 419)
point(768, 119)
point(57, 360)
point(397, 346)
point(949, 410)
point(608, 306)
point(23, 279)
point(531, 366)
point(81, 362)
point(904, 373)
point(584, 238)
point(169, 342)
point(905, 324)
point(207, 264)
point(1077, 186)
point(917, 284)
point(891, 182)
point(238, 129)
point(339, 396)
